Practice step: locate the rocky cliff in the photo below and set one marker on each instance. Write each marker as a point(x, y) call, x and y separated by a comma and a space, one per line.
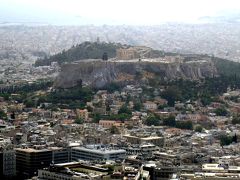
point(98, 73)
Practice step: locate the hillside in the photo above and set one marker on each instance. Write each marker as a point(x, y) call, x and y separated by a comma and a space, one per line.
point(226, 67)
point(86, 50)
point(98, 73)
point(95, 50)
point(83, 64)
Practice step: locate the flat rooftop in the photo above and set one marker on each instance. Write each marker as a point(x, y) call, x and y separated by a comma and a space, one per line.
point(100, 151)
point(144, 138)
point(31, 150)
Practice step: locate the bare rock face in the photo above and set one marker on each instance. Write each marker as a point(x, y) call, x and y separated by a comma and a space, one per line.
point(98, 73)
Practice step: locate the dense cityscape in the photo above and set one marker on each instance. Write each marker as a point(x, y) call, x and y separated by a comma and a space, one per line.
point(149, 130)
point(130, 90)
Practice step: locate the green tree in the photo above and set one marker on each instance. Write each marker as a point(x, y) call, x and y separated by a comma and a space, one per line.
point(170, 121)
point(90, 109)
point(221, 111)
point(96, 117)
point(152, 120)
point(137, 106)
point(225, 140)
point(184, 125)
point(29, 103)
point(160, 107)
point(5, 96)
point(124, 110)
point(79, 121)
point(129, 98)
point(121, 117)
point(114, 130)
point(105, 56)
point(3, 115)
point(171, 94)
point(85, 50)
point(206, 100)
point(112, 87)
point(236, 120)
point(234, 138)
point(198, 128)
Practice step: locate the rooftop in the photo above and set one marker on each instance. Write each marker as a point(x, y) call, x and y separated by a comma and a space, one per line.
point(100, 151)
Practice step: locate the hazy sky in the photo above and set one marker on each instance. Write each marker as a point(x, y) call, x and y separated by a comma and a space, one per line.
point(146, 12)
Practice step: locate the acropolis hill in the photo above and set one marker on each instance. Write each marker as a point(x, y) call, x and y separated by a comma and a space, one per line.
point(98, 73)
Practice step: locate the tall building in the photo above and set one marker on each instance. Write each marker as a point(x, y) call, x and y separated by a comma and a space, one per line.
point(60, 155)
point(29, 160)
point(7, 164)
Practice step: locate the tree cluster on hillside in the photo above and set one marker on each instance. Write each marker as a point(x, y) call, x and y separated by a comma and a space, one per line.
point(198, 128)
point(227, 139)
point(70, 98)
point(3, 115)
point(205, 90)
point(86, 50)
point(26, 87)
point(226, 67)
point(152, 119)
point(221, 111)
point(168, 121)
point(184, 125)
point(236, 119)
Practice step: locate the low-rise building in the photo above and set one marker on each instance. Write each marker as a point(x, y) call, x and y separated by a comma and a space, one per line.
point(83, 114)
point(72, 171)
point(150, 105)
point(109, 123)
point(106, 123)
point(156, 140)
point(144, 149)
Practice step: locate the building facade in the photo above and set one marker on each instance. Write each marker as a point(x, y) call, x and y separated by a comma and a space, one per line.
point(127, 54)
point(29, 160)
point(7, 164)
